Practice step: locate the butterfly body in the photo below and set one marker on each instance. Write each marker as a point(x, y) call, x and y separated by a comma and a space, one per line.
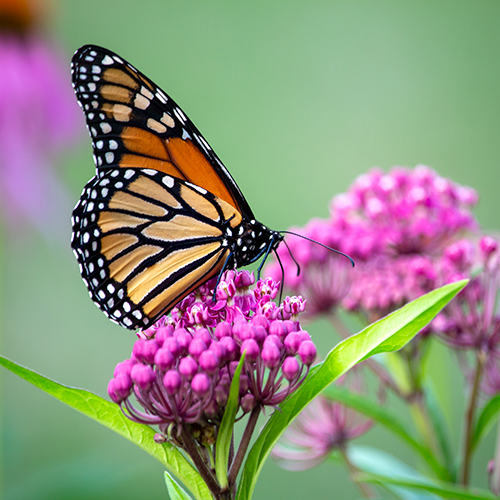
point(162, 215)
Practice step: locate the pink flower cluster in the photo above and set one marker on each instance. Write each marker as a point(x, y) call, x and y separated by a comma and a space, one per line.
point(181, 369)
point(396, 226)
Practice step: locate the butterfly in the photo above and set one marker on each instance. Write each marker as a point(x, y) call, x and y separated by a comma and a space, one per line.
point(162, 215)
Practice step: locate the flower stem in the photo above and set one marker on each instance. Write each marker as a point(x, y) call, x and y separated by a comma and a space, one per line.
point(192, 450)
point(242, 449)
point(469, 418)
point(365, 490)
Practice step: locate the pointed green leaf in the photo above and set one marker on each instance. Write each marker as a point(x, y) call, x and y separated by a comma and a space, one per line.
point(226, 429)
point(389, 334)
point(110, 415)
point(440, 488)
point(486, 420)
point(175, 491)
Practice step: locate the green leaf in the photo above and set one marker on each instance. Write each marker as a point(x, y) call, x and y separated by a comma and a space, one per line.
point(175, 491)
point(486, 420)
point(388, 420)
point(110, 415)
point(375, 461)
point(388, 334)
point(441, 428)
point(226, 429)
point(440, 488)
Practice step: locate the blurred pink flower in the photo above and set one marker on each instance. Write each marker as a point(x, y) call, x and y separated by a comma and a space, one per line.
point(38, 116)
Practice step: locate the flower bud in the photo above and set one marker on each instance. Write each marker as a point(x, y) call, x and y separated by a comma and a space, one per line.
point(221, 395)
point(278, 328)
point(200, 384)
point(307, 352)
point(248, 403)
point(196, 347)
point(270, 355)
point(164, 359)
point(219, 350)
point(223, 329)
point(172, 344)
point(290, 368)
point(163, 333)
point(120, 387)
point(260, 320)
point(252, 350)
point(124, 367)
point(172, 382)
point(145, 350)
point(143, 376)
point(292, 343)
point(209, 362)
point(184, 338)
point(230, 345)
point(188, 367)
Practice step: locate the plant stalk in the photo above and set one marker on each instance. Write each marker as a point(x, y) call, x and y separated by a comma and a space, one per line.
point(469, 418)
point(242, 449)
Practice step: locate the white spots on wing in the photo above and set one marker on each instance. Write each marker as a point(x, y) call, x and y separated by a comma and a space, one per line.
point(105, 127)
point(129, 174)
point(113, 144)
point(156, 126)
point(107, 61)
point(92, 87)
point(99, 144)
point(146, 93)
point(180, 115)
point(167, 120)
point(141, 102)
point(168, 181)
point(185, 134)
point(149, 171)
point(110, 157)
point(161, 96)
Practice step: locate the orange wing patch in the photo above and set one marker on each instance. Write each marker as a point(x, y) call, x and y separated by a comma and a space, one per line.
point(149, 188)
point(195, 168)
point(120, 77)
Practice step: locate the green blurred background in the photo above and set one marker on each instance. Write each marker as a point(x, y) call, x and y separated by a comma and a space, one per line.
point(297, 98)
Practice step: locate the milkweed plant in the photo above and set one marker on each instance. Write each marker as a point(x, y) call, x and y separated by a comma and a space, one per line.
point(234, 352)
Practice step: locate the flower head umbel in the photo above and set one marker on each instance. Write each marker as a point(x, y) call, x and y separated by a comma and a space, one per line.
point(181, 369)
point(321, 428)
point(396, 226)
point(38, 116)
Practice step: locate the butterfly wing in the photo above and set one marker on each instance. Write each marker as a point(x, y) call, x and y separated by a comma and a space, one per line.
point(144, 240)
point(134, 124)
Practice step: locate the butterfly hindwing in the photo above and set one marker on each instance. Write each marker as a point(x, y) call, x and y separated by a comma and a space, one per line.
point(144, 240)
point(134, 124)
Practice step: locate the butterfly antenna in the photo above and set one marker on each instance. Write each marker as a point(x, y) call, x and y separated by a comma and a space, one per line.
point(282, 274)
point(293, 258)
point(269, 248)
point(320, 244)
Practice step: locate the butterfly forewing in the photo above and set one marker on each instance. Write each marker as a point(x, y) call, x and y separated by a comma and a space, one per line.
point(144, 240)
point(133, 123)
point(162, 215)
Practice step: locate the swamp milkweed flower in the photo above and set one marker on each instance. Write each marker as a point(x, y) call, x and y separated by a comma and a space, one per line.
point(181, 369)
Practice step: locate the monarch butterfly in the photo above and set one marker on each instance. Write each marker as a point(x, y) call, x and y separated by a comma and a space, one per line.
point(162, 214)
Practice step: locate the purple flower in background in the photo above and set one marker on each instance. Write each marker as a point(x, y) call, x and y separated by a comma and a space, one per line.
point(38, 116)
point(396, 226)
point(472, 320)
point(181, 369)
point(322, 427)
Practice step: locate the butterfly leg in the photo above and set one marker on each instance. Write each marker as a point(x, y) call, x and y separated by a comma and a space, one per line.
point(224, 266)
